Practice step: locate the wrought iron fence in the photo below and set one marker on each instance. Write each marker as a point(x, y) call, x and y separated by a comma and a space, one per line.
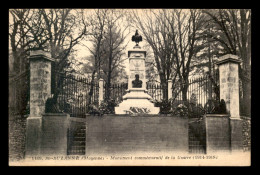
point(74, 94)
point(156, 91)
point(202, 95)
point(116, 92)
point(19, 94)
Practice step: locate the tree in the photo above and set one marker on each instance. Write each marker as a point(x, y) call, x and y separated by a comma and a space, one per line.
point(25, 34)
point(64, 29)
point(107, 45)
point(113, 47)
point(175, 40)
point(53, 30)
point(232, 30)
point(97, 29)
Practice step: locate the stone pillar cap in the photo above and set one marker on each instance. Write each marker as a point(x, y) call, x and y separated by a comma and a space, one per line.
point(41, 53)
point(228, 58)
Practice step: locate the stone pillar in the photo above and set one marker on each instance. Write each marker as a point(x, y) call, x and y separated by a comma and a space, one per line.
point(40, 90)
point(101, 91)
point(229, 83)
point(169, 89)
point(229, 91)
point(40, 81)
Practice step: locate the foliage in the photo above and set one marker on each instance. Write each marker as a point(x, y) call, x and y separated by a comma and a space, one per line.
point(165, 106)
point(57, 31)
point(93, 110)
point(190, 108)
point(180, 110)
point(106, 107)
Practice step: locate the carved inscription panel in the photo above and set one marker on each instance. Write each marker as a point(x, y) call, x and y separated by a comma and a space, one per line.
point(137, 65)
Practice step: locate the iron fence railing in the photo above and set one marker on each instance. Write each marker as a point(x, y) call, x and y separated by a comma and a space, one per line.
point(74, 94)
point(156, 91)
point(116, 92)
point(201, 96)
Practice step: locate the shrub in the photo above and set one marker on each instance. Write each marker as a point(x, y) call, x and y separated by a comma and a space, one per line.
point(180, 110)
point(165, 106)
point(94, 110)
point(107, 107)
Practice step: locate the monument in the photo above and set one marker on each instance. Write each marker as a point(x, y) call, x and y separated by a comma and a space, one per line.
point(137, 100)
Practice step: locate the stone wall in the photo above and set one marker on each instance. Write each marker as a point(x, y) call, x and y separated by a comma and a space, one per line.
point(130, 134)
point(17, 130)
point(236, 127)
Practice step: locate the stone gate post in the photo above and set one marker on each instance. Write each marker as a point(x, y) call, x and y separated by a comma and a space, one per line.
point(169, 89)
point(40, 81)
point(101, 91)
point(229, 91)
point(229, 83)
point(40, 90)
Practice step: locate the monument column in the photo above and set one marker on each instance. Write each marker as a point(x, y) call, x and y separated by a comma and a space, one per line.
point(137, 100)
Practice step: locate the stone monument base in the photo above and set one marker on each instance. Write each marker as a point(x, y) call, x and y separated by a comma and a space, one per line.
point(137, 102)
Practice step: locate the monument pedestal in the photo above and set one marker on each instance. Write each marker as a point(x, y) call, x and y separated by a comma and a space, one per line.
point(137, 101)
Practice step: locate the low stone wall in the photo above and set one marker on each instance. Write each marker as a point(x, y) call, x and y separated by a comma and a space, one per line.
point(133, 134)
point(218, 137)
point(223, 134)
point(54, 134)
point(47, 135)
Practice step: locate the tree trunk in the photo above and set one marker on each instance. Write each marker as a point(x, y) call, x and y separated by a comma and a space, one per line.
point(184, 93)
point(185, 87)
point(91, 87)
point(109, 76)
point(164, 86)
